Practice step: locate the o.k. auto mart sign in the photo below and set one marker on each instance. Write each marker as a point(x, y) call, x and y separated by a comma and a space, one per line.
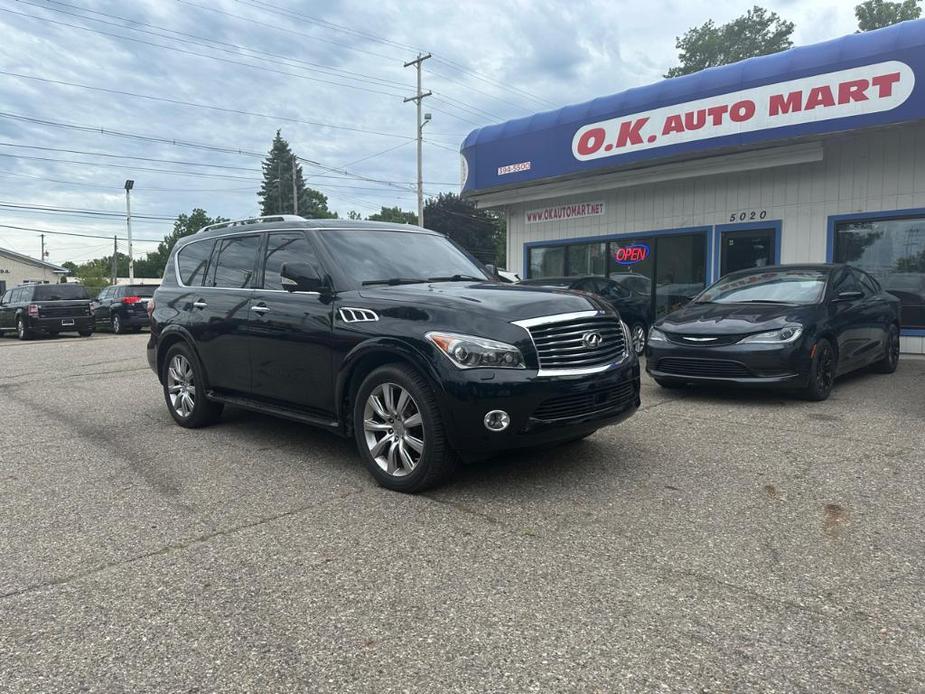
point(858, 91)
point(866, 80)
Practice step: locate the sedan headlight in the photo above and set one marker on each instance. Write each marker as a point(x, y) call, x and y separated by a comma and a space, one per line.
point(656, 335)
point(775, 337)
point(469, 352)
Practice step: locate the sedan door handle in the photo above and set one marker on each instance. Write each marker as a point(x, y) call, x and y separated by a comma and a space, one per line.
point(200, 304)
point(260, 309)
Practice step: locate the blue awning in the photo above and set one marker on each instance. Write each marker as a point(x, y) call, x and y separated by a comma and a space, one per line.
point(858, 81)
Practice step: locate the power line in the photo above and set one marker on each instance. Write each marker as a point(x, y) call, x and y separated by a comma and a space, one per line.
point(78, 210)
point(378, 154)
point(74, 233)
point(127, 156)
point(83, 184)
point(198, 55)
point(192, 104)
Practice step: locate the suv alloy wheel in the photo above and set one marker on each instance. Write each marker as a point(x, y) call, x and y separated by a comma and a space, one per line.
point(117, 324)
point(399, 431)
point(185, 390)
point(22, 332)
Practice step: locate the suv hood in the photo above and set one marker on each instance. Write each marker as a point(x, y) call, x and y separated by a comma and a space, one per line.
point(734, 319)
point(505, 302)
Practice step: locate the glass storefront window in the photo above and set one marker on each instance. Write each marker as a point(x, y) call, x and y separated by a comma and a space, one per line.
point(893, 251)
point(681, 271)
point(629, 268)
point(586, 259)
point(547, 262)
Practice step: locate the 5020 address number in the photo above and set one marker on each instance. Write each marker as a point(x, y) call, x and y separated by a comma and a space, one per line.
point(748, 216)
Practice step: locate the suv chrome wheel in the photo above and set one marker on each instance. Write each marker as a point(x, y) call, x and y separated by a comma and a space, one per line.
point(393, 429)
point(180, 386)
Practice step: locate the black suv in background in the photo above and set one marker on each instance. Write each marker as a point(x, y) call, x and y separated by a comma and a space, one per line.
point(49, 309)
point(123, 307)
point(389, 334)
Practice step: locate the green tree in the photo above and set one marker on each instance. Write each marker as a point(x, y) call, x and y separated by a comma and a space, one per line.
point(478, 231)
point(354, 215)
point(276, 191)
point(876, 14)
point(757, 32)
point(153, 264)
point(394, 214)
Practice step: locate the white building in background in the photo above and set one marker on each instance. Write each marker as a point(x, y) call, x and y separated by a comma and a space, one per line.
point(16, 269)
point(814, 154)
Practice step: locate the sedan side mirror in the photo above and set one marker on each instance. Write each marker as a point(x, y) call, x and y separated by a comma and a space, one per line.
point(851, 295)
point(301, 277)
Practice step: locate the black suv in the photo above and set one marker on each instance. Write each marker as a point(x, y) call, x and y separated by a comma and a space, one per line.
point(387, 333)
point(123, 307)
point(49, 309)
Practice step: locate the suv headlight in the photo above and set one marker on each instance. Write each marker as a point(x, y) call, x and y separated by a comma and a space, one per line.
point(791, 333)
point(656, 335)
point(469, 352)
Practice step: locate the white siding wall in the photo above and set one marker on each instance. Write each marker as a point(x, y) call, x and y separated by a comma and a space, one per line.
point(15, 272)
point(876, 171)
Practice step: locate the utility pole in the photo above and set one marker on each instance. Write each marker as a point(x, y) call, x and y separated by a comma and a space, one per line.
point(129, 184)
point(115, 258)
point(421, 122)
point(279, 187)
point(295, 192)
point(42, 257)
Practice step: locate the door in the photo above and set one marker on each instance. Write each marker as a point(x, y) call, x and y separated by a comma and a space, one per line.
point(680, 270)
point(6, 312)
point(875, 317)
point(291, 332)
point(851, 333)
point(220, 311)
point(102, 307)
point(742, 250)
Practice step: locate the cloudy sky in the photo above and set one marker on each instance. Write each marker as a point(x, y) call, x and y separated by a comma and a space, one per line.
point(225, 74)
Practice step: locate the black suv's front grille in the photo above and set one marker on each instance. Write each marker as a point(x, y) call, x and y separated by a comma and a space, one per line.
point(599, 401)
point(578, 343)
point(708, 368)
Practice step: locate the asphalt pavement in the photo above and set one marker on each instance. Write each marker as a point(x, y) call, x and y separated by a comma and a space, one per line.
point(716, 541)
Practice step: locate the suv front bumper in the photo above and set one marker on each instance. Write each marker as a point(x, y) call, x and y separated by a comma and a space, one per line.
point(542, 409)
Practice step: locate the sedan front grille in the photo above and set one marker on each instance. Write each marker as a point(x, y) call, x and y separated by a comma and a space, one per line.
point(577, 342)
point(705, 368)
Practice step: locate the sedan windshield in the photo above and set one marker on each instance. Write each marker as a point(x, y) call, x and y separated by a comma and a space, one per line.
point(399, 257)
point(798, 286)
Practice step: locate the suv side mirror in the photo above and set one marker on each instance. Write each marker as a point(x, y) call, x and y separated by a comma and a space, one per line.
point(850, 295)
point(301, 277)
point(492, 270)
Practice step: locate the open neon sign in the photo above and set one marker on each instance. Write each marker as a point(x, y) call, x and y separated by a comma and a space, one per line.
point(632, 254)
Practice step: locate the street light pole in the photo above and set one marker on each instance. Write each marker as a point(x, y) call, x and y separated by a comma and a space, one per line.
point(421, 122)
point(129, 184)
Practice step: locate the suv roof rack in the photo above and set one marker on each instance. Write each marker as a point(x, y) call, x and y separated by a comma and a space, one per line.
point(254, 220)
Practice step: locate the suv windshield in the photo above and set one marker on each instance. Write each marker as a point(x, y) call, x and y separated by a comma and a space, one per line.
point(797, 286)
point(58, 292)
point(398, 257)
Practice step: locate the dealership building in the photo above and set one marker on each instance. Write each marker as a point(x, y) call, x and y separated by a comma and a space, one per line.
point(810, 155)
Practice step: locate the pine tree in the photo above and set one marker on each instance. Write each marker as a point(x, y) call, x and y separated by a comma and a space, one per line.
point(276, 192)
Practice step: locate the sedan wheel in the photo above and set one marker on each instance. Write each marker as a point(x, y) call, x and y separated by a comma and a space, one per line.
point(393, 429)
point(638, 336)
point(890, 360)
point(822, 372)
point(181, 386)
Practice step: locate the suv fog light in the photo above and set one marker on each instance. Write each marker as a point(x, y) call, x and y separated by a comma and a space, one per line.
point(497, 420)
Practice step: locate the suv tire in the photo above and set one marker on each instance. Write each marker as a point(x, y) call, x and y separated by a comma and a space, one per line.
point(22, 332)
point(399, 430)
point(185, 389)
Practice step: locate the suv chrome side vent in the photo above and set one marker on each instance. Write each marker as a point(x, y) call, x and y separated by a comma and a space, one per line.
point(357, 315)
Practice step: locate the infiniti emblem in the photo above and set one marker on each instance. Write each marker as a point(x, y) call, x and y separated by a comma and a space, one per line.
point(592, 340)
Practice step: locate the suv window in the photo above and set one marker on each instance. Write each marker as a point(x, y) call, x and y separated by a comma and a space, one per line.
point(233, 266)
point(25, 294)
point(59, 292)
point(282, 248)
point(192, 261)
point(145, 291)
point(104, 294)
point(8, 297)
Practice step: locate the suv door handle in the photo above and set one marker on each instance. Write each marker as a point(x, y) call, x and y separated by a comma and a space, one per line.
point(260, 309)
point(200, 304)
